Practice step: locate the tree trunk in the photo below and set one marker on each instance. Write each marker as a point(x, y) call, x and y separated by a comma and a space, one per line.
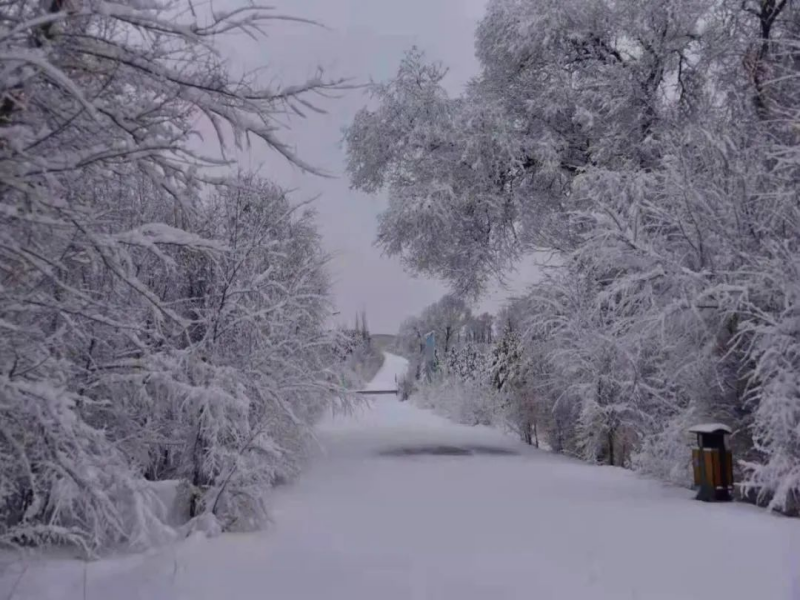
point(526, 434)
point(611, 447)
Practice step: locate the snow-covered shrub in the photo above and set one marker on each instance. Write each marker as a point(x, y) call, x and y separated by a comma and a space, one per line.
point(467, 362)
point(406, 385)
point(259, 380)
point(667, 454)
point(467, 402)
point(62, 481)
point(520, 405)
point(775, 479)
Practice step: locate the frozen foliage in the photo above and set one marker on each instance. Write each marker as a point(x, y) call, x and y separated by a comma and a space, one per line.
point(468, 402)
point(515, 379)
point(654, 145)
point(459, 387)
point(467, 362)
point(157, 323)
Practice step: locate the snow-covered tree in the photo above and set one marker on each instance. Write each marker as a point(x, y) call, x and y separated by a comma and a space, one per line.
point(467, 362)
point(149, 307)
point(507, 375)
point(654, 146)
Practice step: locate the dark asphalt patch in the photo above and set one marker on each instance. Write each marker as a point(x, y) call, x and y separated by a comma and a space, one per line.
point(443, 450)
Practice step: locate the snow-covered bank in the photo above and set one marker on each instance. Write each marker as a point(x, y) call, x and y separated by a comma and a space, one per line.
point(499, 520)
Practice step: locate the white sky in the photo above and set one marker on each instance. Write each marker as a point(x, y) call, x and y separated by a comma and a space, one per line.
point(363, 39)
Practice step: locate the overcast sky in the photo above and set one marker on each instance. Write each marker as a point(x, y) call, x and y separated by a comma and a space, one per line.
point(363, 39)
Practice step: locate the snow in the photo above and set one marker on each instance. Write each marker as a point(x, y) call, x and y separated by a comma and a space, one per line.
point(367, 521)
point(386, 378)
point(171, 497)
point(710, 428)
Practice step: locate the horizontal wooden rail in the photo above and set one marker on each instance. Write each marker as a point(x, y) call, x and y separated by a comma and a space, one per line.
point(369, 392)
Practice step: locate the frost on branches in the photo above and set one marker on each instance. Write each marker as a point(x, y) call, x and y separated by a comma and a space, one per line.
point(654, 146)
point(458, 387)
point(157, 324)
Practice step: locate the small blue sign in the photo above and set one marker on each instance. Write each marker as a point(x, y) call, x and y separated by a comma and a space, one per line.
point(430, 353)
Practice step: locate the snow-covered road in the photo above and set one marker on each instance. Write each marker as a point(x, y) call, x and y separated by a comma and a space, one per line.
point(405, 505)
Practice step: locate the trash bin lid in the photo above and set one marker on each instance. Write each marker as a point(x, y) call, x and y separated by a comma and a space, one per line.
point(710, 428)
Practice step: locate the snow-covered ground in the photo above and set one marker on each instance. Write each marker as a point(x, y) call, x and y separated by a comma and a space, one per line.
point(405, 505)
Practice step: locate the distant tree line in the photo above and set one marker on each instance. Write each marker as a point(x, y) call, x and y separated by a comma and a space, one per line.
point(356, 349)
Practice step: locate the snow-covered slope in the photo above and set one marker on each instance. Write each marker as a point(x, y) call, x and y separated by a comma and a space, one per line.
point(405, 505)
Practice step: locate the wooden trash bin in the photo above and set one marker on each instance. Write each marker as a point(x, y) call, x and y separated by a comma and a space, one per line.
point(712, 463)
